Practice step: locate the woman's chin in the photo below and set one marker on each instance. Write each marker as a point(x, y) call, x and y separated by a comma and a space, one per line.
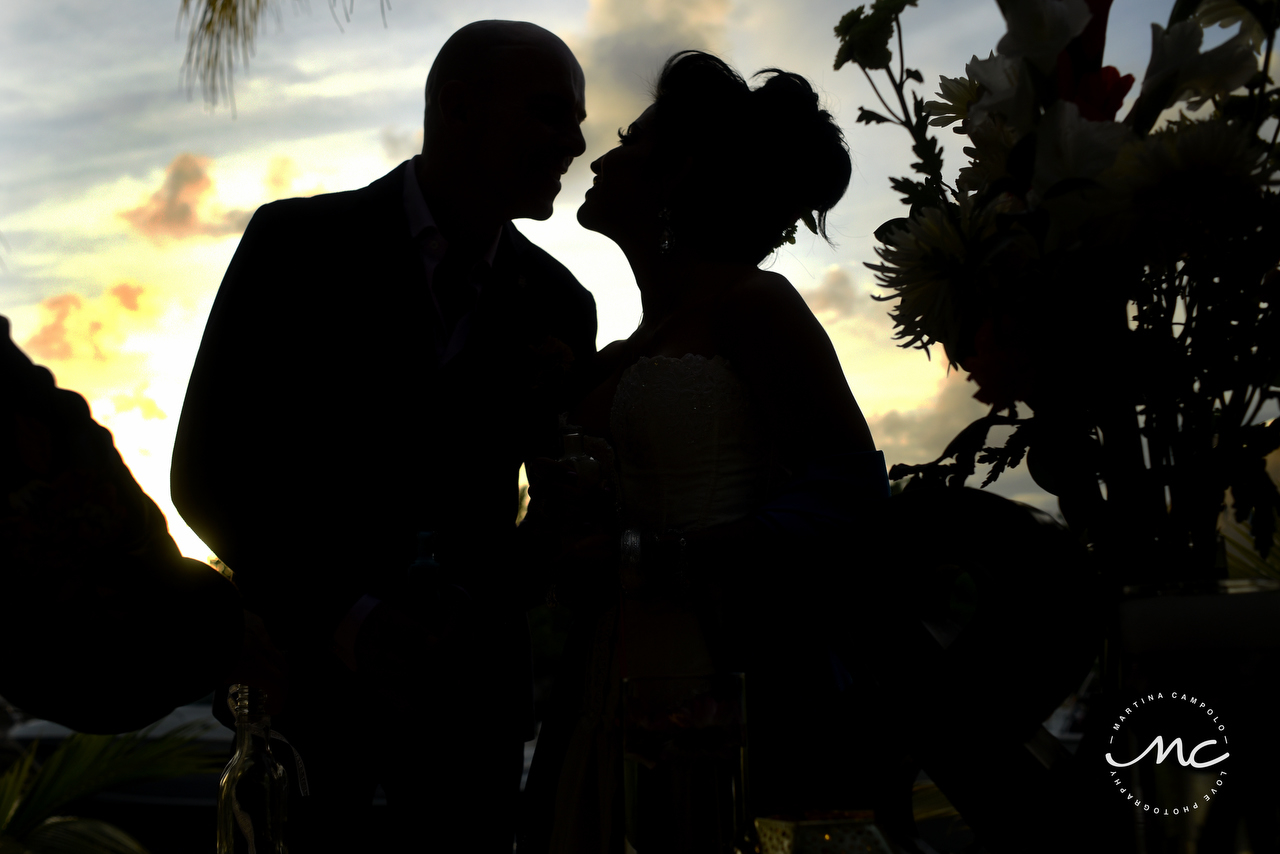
point(585, 218)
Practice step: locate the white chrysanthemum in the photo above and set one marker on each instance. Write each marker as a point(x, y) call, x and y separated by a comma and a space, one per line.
point(991, 142)
point(922, 261)
point(1179, 183)
point(1040, 29)
point(957, 93)
point(1178, 66)
point(1165, 158)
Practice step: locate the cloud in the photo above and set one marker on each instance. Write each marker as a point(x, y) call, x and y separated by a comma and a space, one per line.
point(623, 51)
point(920, 435)
point(127, 294)
point(147, 407)
point(281, 174)
point(399, 147)
point(836, 294)
point(173, 211)
point(51, 341)
point(79, 333)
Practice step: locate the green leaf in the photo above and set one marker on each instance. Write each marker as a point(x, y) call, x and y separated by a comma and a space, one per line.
point(886, 228)
point(84, 764)
point(930, 162)
point(1013, 452)
point(13, 784)
point(66, 835)
point(870, 117)
point(864, 36)
point(914, 193)
point(913, 74)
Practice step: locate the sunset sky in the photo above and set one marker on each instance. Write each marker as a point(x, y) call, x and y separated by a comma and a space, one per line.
point(122, 200)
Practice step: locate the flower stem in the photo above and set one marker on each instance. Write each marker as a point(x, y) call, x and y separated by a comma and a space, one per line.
point(888, 109)
point(902, 54)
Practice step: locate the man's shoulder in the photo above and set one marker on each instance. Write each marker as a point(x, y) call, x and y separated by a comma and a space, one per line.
point(538, 264)
point(346, 209)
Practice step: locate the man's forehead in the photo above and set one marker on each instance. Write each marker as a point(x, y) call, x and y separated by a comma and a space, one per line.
point(536, 71)
point(550, 59)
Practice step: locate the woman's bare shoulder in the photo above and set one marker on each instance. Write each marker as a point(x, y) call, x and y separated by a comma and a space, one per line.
point(768, 298)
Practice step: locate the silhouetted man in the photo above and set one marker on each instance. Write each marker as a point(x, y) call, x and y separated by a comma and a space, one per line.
point(378, 364)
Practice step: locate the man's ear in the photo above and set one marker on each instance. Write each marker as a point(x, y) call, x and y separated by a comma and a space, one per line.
point(456, 103)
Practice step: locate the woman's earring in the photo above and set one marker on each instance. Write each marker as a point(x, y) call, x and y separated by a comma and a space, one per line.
point(664, 236)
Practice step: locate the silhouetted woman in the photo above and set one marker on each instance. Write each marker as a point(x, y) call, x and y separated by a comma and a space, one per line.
point(737, 452)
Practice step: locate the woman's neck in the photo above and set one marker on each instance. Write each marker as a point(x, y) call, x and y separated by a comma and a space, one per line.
point(665, 281)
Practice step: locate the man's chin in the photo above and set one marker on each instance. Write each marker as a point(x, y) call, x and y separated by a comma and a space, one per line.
point(540, 210)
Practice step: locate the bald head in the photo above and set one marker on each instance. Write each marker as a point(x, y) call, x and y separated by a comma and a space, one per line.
point(479, 53)
point(504, 105)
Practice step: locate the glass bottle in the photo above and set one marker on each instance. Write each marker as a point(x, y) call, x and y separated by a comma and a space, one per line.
point(254, 786)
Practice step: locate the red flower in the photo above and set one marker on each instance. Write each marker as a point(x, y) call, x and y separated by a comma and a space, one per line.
point(1082, 79)
point(1099, 94)
point(1004, 373)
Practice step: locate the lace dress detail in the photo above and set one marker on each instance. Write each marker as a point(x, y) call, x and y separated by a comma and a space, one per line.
point(691, 451)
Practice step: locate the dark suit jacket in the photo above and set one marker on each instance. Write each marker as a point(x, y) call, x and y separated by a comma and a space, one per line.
point(319, 434)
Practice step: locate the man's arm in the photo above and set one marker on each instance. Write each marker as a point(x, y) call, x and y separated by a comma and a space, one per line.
point(246, 468)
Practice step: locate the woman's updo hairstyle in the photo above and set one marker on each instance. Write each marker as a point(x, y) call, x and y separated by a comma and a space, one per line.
point(759, 159)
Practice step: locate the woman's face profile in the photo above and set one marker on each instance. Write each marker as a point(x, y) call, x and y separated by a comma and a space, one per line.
point(623, 200)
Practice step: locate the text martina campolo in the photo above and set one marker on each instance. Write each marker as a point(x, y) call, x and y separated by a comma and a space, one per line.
point(1175, 746)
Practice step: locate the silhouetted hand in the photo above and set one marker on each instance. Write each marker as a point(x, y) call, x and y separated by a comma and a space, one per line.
point(583, 516)
point(261, 664)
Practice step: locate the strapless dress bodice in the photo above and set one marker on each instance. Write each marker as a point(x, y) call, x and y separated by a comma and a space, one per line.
point(691, 450)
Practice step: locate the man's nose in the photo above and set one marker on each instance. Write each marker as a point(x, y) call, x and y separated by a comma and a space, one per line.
point(576, 142)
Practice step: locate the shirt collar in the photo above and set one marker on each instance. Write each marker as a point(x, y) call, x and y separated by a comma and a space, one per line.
point(422, 225)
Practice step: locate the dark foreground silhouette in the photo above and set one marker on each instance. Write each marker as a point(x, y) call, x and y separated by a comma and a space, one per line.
point(105, 625)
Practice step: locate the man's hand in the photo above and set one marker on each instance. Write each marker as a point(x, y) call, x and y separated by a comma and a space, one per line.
point(582, 516)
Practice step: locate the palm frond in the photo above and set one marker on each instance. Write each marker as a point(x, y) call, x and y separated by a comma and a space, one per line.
point(220, 29)
point(12, 786)
point(67, 835)
point(84, 764)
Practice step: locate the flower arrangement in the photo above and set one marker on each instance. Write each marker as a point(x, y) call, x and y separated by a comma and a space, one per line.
point(1116, 277)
